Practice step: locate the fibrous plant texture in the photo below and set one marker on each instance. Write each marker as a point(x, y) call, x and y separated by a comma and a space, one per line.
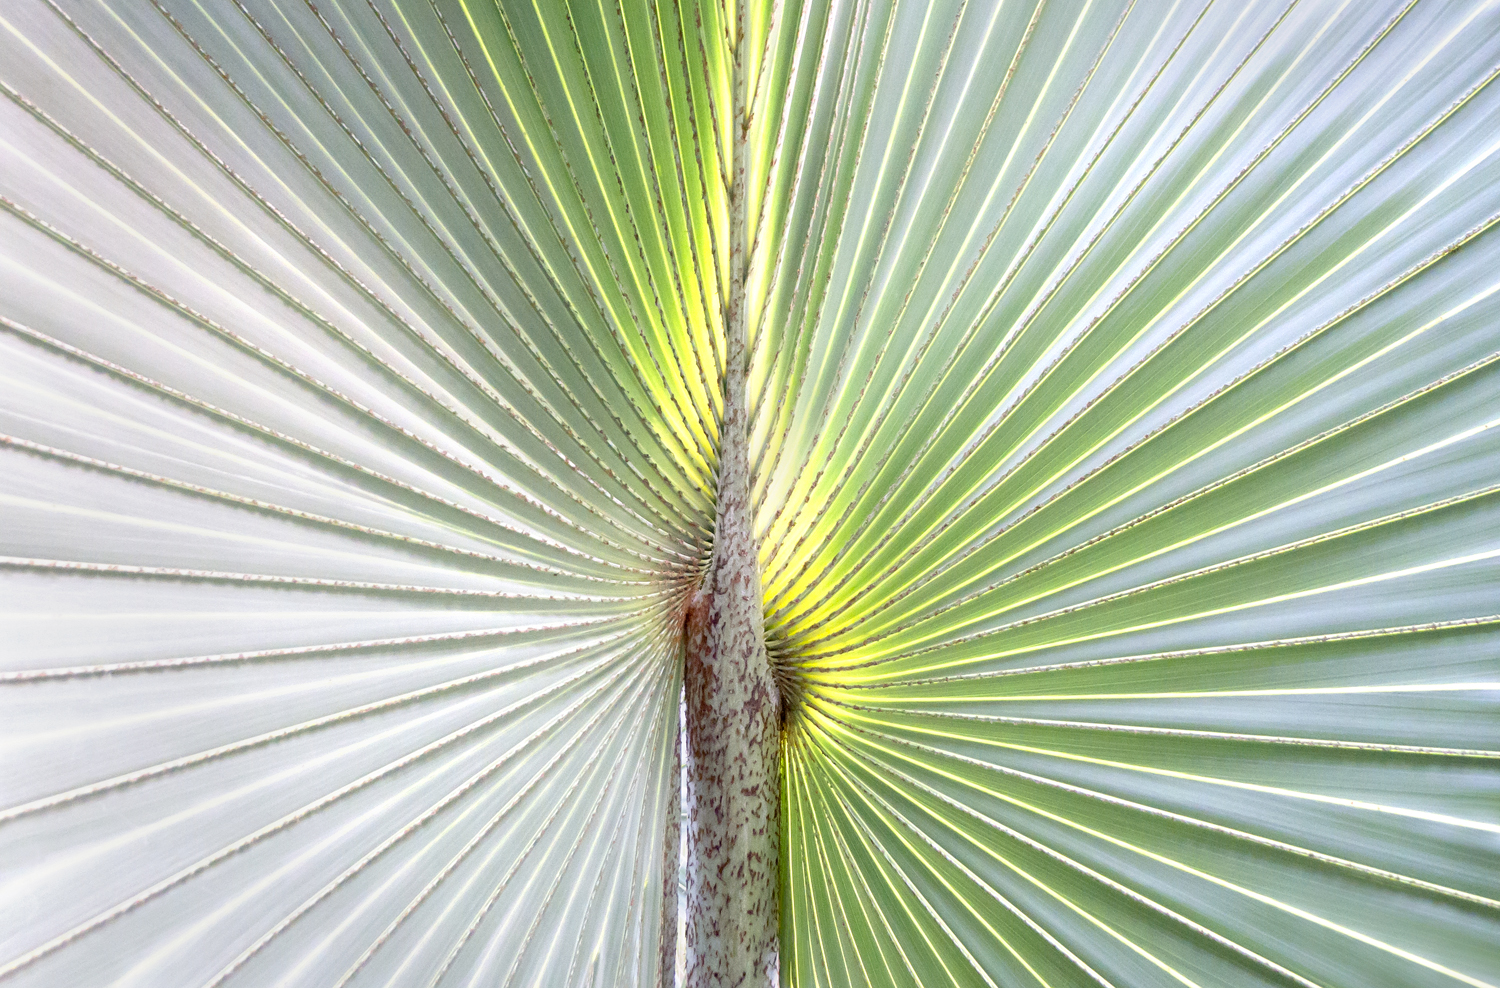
point(837, 492)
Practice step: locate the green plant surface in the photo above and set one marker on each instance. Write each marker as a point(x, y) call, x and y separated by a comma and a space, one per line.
point(1122, 395)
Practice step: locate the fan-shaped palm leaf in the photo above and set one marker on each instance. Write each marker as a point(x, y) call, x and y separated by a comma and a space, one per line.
point(1120, 397)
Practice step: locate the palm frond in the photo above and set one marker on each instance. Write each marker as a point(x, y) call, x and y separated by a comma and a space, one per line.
point(1122, 399)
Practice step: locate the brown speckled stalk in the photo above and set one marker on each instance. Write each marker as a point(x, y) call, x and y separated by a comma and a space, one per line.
point(671, 855)
point(733, 805)
point(733, 707)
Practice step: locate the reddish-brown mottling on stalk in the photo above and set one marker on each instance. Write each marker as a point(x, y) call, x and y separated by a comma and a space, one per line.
point(732, 703)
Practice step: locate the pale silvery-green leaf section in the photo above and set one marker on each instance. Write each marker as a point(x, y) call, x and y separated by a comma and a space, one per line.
point(1129, 496)
point(356, 404)
point(1121, 424)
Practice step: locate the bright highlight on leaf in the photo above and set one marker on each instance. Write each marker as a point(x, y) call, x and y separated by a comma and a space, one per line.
point(1122, 396)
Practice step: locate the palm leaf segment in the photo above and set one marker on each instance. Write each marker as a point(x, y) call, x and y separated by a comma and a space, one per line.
point(1122, 396)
